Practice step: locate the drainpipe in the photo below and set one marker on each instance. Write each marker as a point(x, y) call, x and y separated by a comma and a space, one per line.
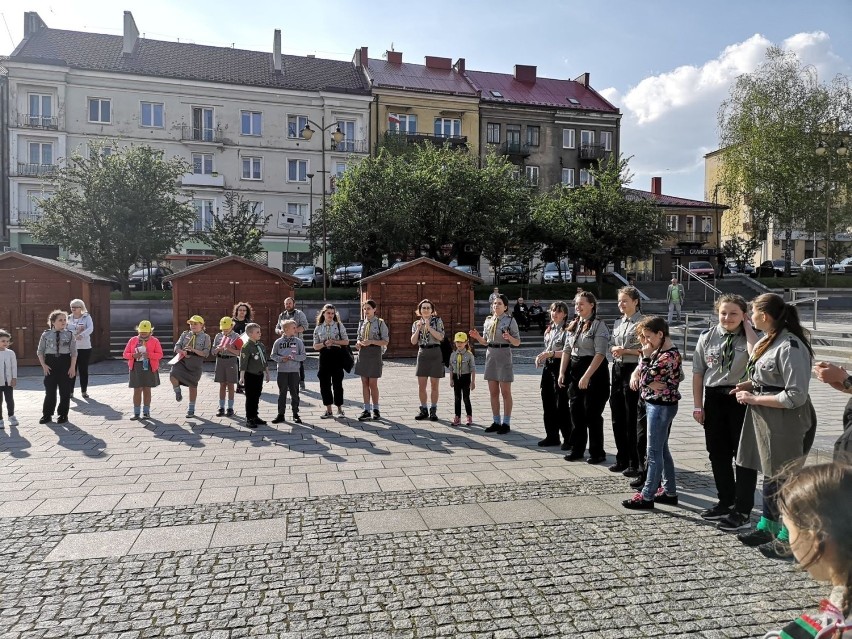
point(376, 146)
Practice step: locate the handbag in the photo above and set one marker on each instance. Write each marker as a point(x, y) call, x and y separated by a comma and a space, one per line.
point(347, 358)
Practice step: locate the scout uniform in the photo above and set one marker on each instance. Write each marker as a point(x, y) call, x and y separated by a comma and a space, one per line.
point(369, 362)
point(624, 401)
point(253, 362)
point(462, 367)
point(57, 348)
point(187, 371)
point(498, 357)
point(330, 373)
point(430, 362)
point(554, 399)
point(227, 364)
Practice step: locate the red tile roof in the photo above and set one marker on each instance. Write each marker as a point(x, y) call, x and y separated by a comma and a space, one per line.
point(418, 77)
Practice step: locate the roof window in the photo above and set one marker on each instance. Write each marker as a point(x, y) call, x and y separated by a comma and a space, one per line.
point(496, 94)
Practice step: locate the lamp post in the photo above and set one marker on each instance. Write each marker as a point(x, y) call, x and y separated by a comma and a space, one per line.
point(311, 217)
point(337, 137)
point(840, 151)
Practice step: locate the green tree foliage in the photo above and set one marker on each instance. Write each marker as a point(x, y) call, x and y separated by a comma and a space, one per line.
point(115, 210)
point(602, 222)
point(237, 229)
point(741, 250)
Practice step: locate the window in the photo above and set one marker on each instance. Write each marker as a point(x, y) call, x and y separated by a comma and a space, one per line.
point(297, 170)
point(41, 110)
point(34, 202)
point(585, 177)
point(202, 163)
point(152, 115)
point(296, 215)
point(347, 144)
point(41, 153)
point(706, 224)
point(250, 122)
point(532, 175)
point(295, 124)
point(256, 206)
point(606, 140)
point(251, 168)
point(492, 133)
point(587, 138)
point(447, 127)
point(568, 177)
point(568, 141)
point(516, 174)
point(94, 149)
point(100, 110)
point(202, 124)
point(339, 168)
point(402, 123)
point(671, 222)
point(204, 214)
point(533, 133)
point(513, 137)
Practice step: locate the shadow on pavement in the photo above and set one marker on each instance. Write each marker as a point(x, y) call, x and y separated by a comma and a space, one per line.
point(14, 443)
point(75, 438)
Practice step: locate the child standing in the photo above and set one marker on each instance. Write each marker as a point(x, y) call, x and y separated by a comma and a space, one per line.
point(143, 354)
point(57, 354)
point(8, 377)
point(227, 371)
point(462, 377)
point(194, 345)
point(811, 504)
point(253, 372)
point(289, 351)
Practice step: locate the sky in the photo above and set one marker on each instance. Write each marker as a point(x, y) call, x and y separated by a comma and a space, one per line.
point(666, 64)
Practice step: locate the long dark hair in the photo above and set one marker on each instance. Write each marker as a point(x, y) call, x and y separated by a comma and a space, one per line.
point(325, 307)
point(559, 306)
point(783, 316)
point(578, 322)
point(248, 310)
point(633, 293)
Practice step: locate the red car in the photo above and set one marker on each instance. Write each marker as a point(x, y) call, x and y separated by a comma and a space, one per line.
point(702, 269)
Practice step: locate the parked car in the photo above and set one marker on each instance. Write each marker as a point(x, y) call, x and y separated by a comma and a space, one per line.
point(513, 273)
point(397, 264)
point(816, 264)
point(309, 275)
point(467, 268)
point(702, 269)
point(554, 273)
point(844, 266)
point(731, 266)
point(147, 279)
point(348, 275)
point(775, 268)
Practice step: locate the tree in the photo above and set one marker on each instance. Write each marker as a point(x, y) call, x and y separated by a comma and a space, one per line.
point(238, 229)
point(741, 250)
point(602, 222)
point(770, 127)
point(115, 210)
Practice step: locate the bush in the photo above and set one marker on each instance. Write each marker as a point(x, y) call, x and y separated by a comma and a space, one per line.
point(810, 278)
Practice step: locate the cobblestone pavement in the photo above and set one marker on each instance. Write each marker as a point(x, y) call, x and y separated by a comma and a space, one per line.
point(545, 568)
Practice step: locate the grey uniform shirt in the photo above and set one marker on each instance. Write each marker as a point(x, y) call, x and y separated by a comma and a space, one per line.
point(426, 338)
point(624, 335)
point(462, 363)
point(202, 343)
point(587, 341)
point(48, 345)
point(374, 329)
point(785, 364)
point(288, 347)
point(492, 329)
point(296, 315)
point(324, 331)
point(554, 338)
point(709, 358)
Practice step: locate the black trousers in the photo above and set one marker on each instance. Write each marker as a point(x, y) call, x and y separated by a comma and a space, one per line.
point(330, 375)
point(8, 395)
point(57, 380)
point(301, 371)
point(723, 423)
point(288, 381)
point(554, 402)
point(83, 357)
point(587, 407)
point(461, 390)
point(253, 389)
point(624, 407)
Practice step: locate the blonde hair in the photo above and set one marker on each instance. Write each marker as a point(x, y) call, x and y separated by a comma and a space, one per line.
point(79, 303)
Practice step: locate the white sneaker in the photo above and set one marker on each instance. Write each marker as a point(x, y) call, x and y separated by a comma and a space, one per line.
point(13, 421)
point(340, 412)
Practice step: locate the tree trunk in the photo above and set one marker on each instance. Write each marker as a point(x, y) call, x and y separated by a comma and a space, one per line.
point(788, 236)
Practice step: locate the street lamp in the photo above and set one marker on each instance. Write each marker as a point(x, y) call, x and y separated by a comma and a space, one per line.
point(337, 137)
point(840, 151)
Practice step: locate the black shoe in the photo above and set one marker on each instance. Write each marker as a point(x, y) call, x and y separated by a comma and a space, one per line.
point(493, 428)
point(433, 414)
point(260, 422)
point(62, 419)
point(574, 457)
point(631, 471)
point(755, 538)
point(220, 412)
point(617, 467)
point(662, 497)
point(735, 522)
point(45, 420)
point(296, 419)
point(85, 396)
point(190, 413)
point(548, 442)
point(504, 428)
point(229, 412)
point(596, 460)
point(250, 423)
point(279, 418)
point(776, 549)
point(423, 414)
point(135, 417)
point(365, 416)
point(240, 390)
point(301, 385)
point(566, 445)
point(327, 415)
point(637, 502)
point(716, 513)
point(376, 414)
point(638, 482)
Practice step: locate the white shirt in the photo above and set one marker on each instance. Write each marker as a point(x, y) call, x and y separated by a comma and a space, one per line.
point(82, 335)
point(8, 367)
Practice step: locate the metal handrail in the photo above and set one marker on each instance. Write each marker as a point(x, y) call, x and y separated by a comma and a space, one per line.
point(707, 285)
point(795, 301)
point(621, 278)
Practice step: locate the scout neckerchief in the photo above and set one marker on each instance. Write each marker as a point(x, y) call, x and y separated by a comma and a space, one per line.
point(261, 354)
point(367, 326)
point(459, 358)
point(728, 352)
point(495, 326)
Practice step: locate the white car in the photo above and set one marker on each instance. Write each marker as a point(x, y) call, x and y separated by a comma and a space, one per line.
point(816, 264)
point(843, 266)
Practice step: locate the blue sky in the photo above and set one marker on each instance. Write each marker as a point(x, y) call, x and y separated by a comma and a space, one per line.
point(666, 64)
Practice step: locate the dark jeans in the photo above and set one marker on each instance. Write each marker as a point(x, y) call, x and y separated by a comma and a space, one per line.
point(624, 407)
point(330, 375)
point(723, 423)
point(461, 390)
point(253, 389)
point(57, 380)
point(288, 381)
point(10, 400)
point(587, 407)
point(642, 435)
point(554, 402)
point(83, 357)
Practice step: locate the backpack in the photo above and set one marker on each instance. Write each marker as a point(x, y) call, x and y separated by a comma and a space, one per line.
point(446, 350)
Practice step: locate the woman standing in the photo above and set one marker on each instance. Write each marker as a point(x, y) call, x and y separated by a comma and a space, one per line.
point(329, 338)
point(718, 365)
point(554, 398)
point(81, 325)
point(373, 336)
point(501, 334)
point(623, 400)
point(427, 332)
point(780, 421)
point(583, 370)
point(57, 354)
point(241, 316)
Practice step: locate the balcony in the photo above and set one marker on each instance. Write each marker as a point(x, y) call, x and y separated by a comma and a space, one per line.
point(693, 237)
point(351, 146)
point(38, 121)
point(35, 170)
point(592, 152)
point(191, 133)
point(454, 141)
point(22, 217)
point(209, 180)
point(515, 149)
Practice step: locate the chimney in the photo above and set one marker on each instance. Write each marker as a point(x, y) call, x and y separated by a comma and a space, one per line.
point(394, 57)
point(131, 34)
point(360, 59)
point(460, 65)
point(657, 186)
point(276, 51)
point(32, 23)
point(525, 73)
point(434, 62)
point(583, 79)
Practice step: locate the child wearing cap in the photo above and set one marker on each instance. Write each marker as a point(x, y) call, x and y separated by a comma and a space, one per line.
point(462, 376)
point(227, 371)
point(192, 347)
point(143, 354)
point(289, 351)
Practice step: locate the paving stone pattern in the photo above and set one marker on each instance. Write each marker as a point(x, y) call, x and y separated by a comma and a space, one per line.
point(398, 529)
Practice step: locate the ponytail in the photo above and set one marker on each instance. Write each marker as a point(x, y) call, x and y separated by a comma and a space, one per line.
point(784, 316)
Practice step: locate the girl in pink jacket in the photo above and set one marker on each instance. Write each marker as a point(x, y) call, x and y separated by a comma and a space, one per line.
point(143, 354)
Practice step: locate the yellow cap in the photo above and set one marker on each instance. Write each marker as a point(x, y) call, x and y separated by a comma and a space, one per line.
point(144, 327)
point(460, 337)
point(195, 318)
point(226, 322)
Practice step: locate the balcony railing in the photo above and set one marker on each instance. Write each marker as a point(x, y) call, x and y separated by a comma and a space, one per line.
point(38, 121)
point(439, 140)
point(516, 149)
point(35, 170)
point(200, 134)
point(693, 237)
point(22, 217)
point(592, 151)
point(351, 146)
